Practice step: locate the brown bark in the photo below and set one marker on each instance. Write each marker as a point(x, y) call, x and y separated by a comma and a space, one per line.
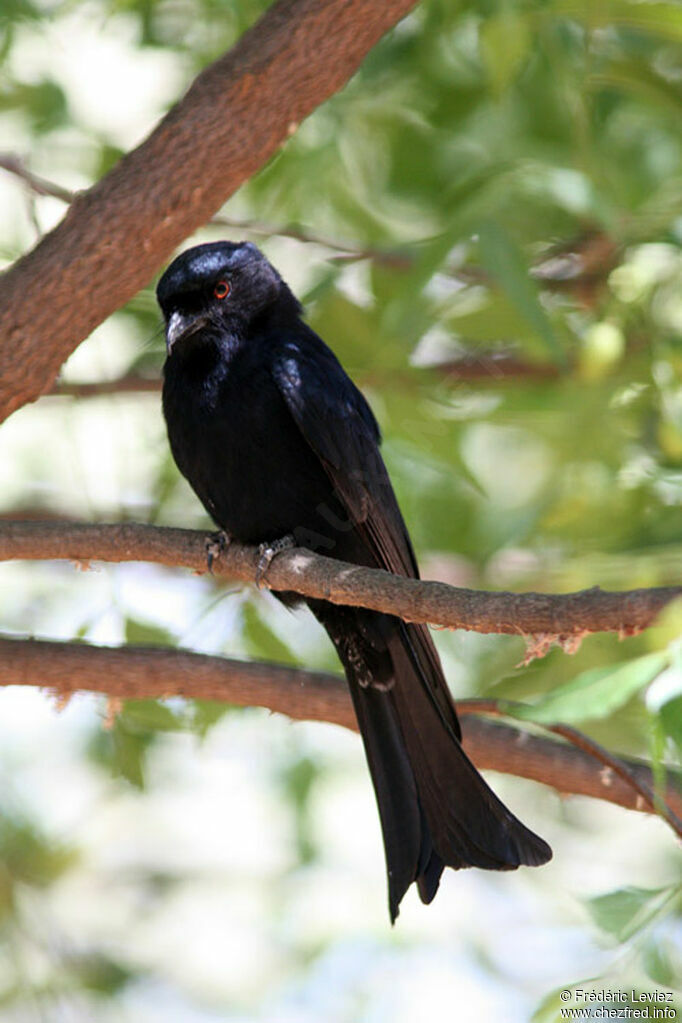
point(543, 617)
point(154, 673)
point(129, 384)
point(114, 237)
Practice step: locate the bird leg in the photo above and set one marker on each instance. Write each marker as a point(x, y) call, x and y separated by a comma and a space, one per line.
point(267, 551)
point(216, 545)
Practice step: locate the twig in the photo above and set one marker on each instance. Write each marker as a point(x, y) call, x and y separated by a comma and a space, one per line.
point(132, 383)
point(646, 796)
point(398, 260)
point(41, 186)
point(579, 265)
point(491, 365)
point(144, 673)
point(487, 366)
point(560, 618)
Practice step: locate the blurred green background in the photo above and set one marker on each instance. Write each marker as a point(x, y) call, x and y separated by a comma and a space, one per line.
point(486, 225)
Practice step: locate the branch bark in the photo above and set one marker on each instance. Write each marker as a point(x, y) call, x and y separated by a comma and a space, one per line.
point(237, 113)
point(132, 383)
point(484, 366)
point(547, 618)
point(150, 673)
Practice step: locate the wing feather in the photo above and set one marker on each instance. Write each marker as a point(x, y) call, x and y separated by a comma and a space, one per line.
point(339, 425)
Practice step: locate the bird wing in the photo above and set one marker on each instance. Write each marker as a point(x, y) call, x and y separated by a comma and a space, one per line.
point(340, 427)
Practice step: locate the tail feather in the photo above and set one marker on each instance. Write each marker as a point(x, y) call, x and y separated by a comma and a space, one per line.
point(435, 808)
point(407, 841)
point(429, 879)
point(470, 826)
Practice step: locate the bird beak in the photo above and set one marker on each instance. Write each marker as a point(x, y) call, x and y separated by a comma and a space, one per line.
point(179, 327)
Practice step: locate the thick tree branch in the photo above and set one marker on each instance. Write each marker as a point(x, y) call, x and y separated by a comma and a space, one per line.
point(145, 673)
point(562, 618)
point(237, 113)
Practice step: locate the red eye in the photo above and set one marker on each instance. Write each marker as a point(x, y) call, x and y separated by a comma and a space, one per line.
point(222, 289)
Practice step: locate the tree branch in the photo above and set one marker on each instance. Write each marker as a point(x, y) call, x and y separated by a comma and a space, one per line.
point(580, 265)
point(132, 383)
point(237, 113)
point(39, 186)
point(490, 365)
point(547, 618)
point(487, 366)
point(151, 673)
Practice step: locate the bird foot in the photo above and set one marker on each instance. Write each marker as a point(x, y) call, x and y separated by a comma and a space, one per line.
point(216, 545)
point(267, 551)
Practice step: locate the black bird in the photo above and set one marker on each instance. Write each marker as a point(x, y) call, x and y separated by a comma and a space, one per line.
point(277, 441)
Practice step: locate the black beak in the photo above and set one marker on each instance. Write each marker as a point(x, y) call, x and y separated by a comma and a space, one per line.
point(179, 327)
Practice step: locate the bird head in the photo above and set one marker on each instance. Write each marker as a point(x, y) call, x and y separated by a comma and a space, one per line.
point(216, 285)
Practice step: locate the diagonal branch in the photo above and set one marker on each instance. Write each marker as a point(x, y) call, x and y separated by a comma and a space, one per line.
point(235, 116)
point(39, 186)
point(562, 618)
point(145, 673)
point(613, 767)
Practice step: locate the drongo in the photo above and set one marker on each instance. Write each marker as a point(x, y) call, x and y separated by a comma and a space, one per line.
point(278, 442)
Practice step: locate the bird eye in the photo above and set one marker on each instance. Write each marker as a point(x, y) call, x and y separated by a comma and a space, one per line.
point(222, 289)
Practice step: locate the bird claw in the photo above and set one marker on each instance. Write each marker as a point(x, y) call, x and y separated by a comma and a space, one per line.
point(267, 551)
point(216, 545)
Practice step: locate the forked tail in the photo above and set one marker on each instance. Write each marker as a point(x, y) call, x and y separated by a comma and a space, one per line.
point(435, 808)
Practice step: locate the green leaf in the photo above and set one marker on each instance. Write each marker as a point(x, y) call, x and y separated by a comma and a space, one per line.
point(633, 76)
point(504, 261)
point(595, 693)
point(664, 698)
point(671, 719)
point(261, 640)
point(657, 752)
point(659, 19)
point(298, 780)
point(624, 912)
point(662, 961)
point(128, 754)
point(44, 102)
point(150, 716)
point(207, 713)
point(98, 972)
point(147, 634)
point(29, 856)
point(505, 42)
